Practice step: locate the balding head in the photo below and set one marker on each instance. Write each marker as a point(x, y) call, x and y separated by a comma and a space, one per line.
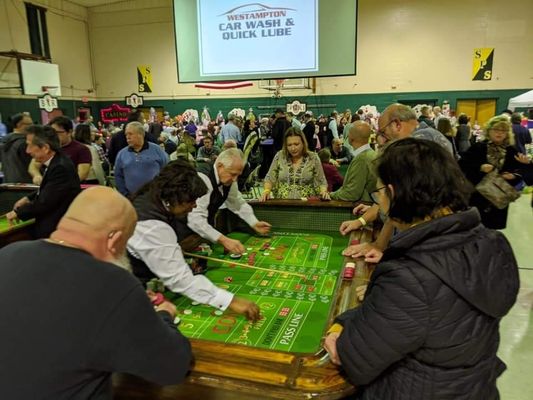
point(396, 122)
point(99, 221)
point(359, 134)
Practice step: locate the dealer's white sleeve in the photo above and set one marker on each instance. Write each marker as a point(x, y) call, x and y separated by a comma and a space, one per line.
point(236, 203)
point(197, 218)
point(156, 243)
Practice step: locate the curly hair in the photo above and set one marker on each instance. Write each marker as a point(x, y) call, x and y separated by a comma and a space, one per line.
point(425, 179)
point(503, 123)
point(177, 183)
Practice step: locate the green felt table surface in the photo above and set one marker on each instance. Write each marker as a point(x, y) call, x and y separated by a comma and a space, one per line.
point(295, 310)
point(5, 227)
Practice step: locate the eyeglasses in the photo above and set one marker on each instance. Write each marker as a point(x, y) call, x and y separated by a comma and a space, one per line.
point(374, 194)
point(381, 132)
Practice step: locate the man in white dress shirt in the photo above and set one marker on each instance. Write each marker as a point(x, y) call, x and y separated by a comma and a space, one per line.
point(154, 250)
point(221, 182)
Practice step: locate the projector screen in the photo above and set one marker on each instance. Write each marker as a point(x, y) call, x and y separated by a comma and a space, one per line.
point(235, 40)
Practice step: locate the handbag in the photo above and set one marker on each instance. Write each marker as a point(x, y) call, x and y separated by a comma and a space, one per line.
point(496, 190)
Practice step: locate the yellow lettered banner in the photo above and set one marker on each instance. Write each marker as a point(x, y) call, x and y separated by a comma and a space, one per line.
point(482, 67)
point(144, 78)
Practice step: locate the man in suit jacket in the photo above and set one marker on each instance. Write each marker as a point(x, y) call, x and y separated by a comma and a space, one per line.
point(60, 184)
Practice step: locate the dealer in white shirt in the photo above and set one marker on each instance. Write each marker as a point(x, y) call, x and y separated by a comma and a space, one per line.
point(221, 182)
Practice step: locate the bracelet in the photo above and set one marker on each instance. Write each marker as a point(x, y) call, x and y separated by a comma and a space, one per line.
point(362, 221)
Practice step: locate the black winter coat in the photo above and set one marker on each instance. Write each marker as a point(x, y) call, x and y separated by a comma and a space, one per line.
point(428, 328)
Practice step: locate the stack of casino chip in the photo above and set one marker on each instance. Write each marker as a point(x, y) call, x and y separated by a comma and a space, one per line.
point(349, 271)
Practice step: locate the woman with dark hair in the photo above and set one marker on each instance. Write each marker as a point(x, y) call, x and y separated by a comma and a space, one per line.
point(462, 139)
point(496, 152)
point(82, 133)
point(444, 126)
point(154, 251)
point(428, 325)
point(295, 171)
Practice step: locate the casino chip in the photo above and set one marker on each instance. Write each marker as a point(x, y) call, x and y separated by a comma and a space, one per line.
point(177, 320)
point(187, 312)
point(266, 253)
point(195, 303)
point(218, 312)
point(249, 248)
point(235, 255)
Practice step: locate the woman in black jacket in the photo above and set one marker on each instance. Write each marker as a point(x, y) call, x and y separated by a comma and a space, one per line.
point(496, 152)
point(428, 327)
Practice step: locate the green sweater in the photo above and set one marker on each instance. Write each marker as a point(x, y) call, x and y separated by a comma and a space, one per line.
point(359, 180)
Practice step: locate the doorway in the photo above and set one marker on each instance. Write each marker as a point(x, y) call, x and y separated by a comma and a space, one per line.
point(480, 110)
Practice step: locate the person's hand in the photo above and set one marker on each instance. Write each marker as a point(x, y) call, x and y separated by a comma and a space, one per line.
point(245, 307)
point(330, 345)
point(373, 255)
point(522, 158)
point(265, 196)
point(361, 291)
point(168, 307)
point(231, 245)
point(325, 196)
point(11, 217)
point(37, 179)
point(348, 226)
point(369, 251)
point(21, 202)
point(508, 176)
point(360, 209)
point(486, 168)
point(262, 227)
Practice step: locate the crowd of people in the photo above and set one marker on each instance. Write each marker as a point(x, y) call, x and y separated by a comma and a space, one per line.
point(428, 325)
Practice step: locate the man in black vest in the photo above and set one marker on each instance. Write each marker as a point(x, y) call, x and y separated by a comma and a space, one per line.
point(154, 250)
point(221, 182)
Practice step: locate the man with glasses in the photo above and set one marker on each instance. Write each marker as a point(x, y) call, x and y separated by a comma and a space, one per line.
point(398, 121)
point(13, 156)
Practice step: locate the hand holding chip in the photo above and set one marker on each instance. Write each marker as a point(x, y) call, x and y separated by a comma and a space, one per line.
point(262, 227)
point(246, 307)
point(231, 245)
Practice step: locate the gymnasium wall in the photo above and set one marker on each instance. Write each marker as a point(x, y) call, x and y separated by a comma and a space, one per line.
point(68, 37)
point(403, 46)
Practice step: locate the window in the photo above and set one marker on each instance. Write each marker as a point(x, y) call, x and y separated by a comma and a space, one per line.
point(38, 31)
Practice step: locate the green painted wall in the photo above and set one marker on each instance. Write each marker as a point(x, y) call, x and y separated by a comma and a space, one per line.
point(9, 106)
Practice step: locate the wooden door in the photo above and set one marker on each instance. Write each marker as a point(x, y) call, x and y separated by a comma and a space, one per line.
point(467, 107)
point(485, 110)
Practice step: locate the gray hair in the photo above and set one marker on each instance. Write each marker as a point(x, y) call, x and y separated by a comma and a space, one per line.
point(401, 112)
point(137, 126)
point(228, 157)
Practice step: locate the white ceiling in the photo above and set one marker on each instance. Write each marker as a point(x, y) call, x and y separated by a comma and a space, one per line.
point(93, 3)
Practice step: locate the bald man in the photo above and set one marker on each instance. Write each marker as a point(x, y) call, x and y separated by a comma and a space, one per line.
point(71, 317)
point(359, 181)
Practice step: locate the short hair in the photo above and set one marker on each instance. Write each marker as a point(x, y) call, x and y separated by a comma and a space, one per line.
point(177, 183)
point(360, 131)
point(424, 110)
point(434, 181)
point(336, 140)
point(501, 120)
point(44, 135)
point(208, 137)
point(82, 133)
point(516, 118)
point(324, 155)
point(134, 116)
point(64, 122)
point(137, 126)
point(16, 118)
point(400, 112)
point(230, 144)
point(294, 131)
point(228, 156)
point(355, 117)
point(463, 119)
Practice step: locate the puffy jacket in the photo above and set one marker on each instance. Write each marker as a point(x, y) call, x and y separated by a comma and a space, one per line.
point(429, 326)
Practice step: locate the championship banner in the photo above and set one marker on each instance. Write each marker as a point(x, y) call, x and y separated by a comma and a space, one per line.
point(482, 67)
point(144, 78)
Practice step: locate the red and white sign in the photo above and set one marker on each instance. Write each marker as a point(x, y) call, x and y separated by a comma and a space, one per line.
point(47, 103)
